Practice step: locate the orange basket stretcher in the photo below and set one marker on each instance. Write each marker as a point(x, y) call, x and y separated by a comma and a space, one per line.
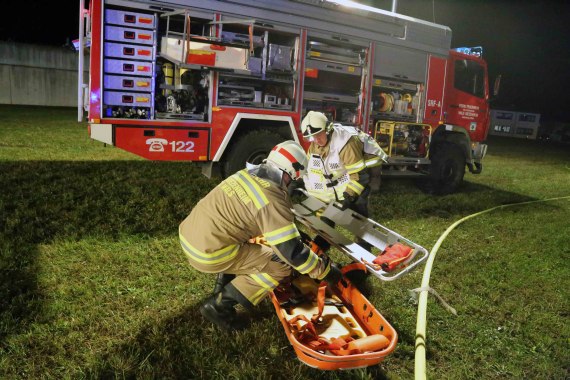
point(344, 331)
point(347, 316)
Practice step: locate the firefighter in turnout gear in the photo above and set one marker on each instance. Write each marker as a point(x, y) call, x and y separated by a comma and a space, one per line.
point(216, 236)
point(339, 158)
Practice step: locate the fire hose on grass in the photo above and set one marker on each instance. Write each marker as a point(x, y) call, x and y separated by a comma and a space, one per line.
point(420, 356)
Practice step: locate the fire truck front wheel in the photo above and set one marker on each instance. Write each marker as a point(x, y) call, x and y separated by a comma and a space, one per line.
point(447, 169)
point(252, 147)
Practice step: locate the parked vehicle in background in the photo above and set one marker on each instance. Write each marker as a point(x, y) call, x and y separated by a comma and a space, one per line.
point(221, 82)
point(515, 124)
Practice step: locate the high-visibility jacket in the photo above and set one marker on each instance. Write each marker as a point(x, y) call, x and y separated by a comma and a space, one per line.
point(333, 169)
point(243, 206)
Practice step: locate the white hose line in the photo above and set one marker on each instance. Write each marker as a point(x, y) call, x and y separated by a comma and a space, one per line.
point(420, 357)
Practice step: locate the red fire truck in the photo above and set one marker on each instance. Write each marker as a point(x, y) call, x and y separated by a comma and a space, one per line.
point(220, 82)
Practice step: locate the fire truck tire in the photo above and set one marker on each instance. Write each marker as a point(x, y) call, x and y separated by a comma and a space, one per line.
point(252, 147)
point(447, 170)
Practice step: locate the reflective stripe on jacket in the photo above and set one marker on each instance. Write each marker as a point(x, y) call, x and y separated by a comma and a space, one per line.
point(327, 176)
point(243, 206)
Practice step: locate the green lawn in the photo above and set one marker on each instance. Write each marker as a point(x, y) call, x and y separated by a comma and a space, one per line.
point(93, 283)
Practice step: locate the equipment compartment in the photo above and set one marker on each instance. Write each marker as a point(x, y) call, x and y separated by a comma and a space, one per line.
point(129, 35)
point(396, 100)
point(132, 19)
point(116, 82)
point(145, 53)
point(334, 78)
point(119, 66)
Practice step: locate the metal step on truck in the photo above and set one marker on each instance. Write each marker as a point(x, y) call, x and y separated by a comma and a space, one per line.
point(220, 82)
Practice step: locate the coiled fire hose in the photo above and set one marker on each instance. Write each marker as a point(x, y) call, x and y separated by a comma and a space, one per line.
point(420, 357)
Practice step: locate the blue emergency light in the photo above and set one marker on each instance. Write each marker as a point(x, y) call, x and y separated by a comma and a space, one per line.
point(476, 50)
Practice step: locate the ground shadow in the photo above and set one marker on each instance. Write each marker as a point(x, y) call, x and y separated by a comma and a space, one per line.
point(42, 201)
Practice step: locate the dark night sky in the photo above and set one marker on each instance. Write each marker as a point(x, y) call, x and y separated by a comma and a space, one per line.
point(528, 42)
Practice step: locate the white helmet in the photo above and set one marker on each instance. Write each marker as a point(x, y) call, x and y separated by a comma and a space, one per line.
point(289, 157)
point(315, 122)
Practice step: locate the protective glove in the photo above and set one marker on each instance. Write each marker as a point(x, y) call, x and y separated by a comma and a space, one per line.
point(348, 201)
point(295, 188)
point(334, 275)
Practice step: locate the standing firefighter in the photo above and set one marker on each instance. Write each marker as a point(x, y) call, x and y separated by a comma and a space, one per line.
point(339, 158)
point(216, 236)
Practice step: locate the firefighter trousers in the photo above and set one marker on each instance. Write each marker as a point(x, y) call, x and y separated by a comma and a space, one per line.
point(258, 271)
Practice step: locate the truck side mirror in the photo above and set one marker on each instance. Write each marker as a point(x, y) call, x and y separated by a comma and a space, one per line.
point(497, 85)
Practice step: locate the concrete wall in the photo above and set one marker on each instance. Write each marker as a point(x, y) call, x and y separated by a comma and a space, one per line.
point(38, 75)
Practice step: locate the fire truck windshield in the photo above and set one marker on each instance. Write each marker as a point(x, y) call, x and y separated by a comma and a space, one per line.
point(470, 77)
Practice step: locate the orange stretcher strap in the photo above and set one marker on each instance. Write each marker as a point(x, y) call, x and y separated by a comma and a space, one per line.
point(354, 266)
point(307, 334)
point(320, 302)
point(315, 248)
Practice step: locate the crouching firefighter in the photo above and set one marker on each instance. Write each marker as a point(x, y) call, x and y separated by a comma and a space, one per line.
point(339, 161)
point(216, 236)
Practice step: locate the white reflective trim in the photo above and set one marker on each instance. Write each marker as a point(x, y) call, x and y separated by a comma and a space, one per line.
point(240, 116)
point(102, 132)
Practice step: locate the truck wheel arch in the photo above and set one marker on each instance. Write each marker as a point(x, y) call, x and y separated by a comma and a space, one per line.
point(249, 137)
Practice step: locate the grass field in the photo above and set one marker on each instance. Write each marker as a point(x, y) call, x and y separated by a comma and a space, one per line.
point(93, 283)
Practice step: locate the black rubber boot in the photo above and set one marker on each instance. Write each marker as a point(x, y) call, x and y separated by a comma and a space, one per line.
point(222, 280)
point(219, 309)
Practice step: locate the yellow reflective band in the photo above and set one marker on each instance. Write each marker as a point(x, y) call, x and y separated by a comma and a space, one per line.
point(322, 195)
point(220, 256)
point(324, 274)
point(370, 163)
point(356, 167)
point(265, 280)
point(252, 189)
point(356, 187)
point(258, 296)
point(308, 265)
point(267, 284)
point(282, 234)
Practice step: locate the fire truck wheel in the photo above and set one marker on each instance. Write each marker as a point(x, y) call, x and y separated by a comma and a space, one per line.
point(252, 147)
point(447, 169)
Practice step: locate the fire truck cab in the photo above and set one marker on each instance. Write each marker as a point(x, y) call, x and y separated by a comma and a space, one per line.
point(221, 82)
